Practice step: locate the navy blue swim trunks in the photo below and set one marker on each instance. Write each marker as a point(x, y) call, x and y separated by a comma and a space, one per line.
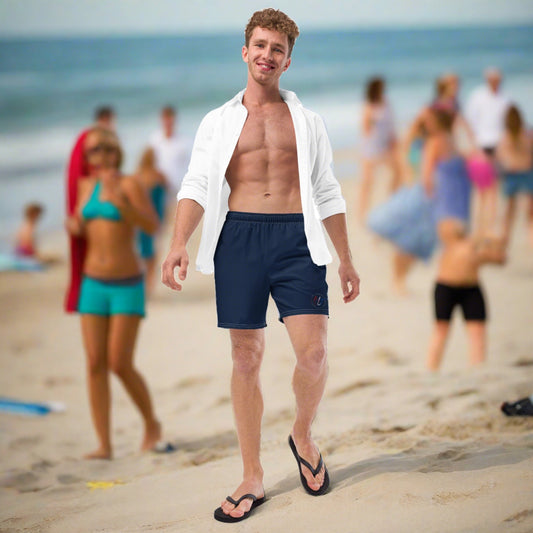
point(259, 255)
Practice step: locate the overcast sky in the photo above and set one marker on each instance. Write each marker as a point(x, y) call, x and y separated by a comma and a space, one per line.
point(107, 17)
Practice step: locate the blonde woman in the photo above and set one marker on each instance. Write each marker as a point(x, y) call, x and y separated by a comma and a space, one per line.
point(155, 185)
point(110, 208)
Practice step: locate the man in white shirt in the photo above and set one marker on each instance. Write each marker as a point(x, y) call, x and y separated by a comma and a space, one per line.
point(485, 112)
point(172, 152)
point(261, 172)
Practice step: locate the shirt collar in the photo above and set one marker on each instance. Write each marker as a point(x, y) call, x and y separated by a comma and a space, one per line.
point(288, 96)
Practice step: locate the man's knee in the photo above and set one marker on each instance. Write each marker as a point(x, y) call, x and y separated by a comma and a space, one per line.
point(247, 353)
point(313, 360)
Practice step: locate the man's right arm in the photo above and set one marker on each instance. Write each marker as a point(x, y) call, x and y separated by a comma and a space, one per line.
point(192, 202)
point(188, 216)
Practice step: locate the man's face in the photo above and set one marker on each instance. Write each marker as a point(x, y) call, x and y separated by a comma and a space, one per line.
point(267, 55)
point(168, 121)
point(107, 122)
point(494, 81)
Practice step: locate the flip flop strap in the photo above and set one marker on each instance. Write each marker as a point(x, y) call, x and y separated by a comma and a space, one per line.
point(314, 471)
point(237, 502)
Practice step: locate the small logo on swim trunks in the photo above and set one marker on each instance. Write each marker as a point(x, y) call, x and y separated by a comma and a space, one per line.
point(318, 300)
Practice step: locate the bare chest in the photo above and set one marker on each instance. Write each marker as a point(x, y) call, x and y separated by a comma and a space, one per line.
point(270, 130)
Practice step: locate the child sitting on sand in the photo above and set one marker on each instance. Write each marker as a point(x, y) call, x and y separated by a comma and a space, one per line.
point(25, 242)
point(458, 285)
point(25, 239)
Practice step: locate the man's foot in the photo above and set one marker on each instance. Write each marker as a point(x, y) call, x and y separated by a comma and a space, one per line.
point(522, 407)
point(100, 453)
point(315, 479)
point(152, 435)
point(246, 487)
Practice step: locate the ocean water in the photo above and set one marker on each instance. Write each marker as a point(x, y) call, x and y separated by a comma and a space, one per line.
point(50, 87)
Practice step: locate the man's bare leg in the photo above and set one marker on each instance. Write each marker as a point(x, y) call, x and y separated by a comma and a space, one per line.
point(308, 334)
point(247, 346)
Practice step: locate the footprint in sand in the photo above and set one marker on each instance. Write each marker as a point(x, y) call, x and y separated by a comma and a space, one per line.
point(524, 361)
point(520, 517)
point(24, 443)
point(68, 479)
point(434, 404)
point(57, 381)
point(23, 481)
point(280, 416)
point(223, 400)
point(388, 356)
point(354, 386)
point(192, 381)
point(465, 392)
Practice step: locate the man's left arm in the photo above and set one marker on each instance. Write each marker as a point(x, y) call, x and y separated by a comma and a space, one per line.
point(332, 208)
point(336, 227)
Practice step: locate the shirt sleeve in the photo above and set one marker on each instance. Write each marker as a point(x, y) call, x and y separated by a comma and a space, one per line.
point(471, 110)
point(327, 192)
point(195, 181)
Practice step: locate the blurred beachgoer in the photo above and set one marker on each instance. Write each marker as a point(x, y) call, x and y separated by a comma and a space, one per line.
point(446, 99)
point(25, 243)
point(26, 240)
point(514, 154)
point(109, 209)
point(172, 151)
point(378, 144)
point(267, 159)
point(406, 220)
point(485, 112)
point(155, 185)
point(78, 168)
point(458, 285)
point(522, 407)
point(444, 173)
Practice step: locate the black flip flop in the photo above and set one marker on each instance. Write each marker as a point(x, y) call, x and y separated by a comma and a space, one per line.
point(221, 516)
point(323, 489)
point(523, 407)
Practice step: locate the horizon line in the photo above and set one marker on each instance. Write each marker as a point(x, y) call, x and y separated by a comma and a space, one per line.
point(230, 31)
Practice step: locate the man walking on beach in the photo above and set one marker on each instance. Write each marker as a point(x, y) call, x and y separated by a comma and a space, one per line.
point(485, 112)
point(172, 151)
point(261, 172)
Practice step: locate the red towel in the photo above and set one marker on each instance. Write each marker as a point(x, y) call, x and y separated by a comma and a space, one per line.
point(77, 169)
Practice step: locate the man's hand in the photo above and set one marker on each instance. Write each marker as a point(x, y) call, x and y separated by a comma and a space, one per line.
point(175, 258)
point(349, 281)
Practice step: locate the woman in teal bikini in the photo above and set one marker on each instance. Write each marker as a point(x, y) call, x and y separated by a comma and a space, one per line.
point(110, 208)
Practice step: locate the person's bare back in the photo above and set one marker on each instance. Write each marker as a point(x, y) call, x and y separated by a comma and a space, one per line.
point(461, 259)
point(263, 171)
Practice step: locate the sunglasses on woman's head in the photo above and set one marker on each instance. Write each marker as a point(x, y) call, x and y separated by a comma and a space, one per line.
point(102, 147)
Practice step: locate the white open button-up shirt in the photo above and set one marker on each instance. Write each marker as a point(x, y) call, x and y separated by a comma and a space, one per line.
point(213, 148)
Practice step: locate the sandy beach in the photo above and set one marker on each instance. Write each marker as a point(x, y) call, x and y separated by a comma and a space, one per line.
point(407, 451)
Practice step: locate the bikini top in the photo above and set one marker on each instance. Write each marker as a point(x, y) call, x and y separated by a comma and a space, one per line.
point(95, 208)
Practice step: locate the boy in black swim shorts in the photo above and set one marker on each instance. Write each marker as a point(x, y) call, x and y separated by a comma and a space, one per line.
point(458, 286)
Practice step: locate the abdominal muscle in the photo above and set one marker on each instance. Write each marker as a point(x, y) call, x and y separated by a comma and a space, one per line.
point(264, 181)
